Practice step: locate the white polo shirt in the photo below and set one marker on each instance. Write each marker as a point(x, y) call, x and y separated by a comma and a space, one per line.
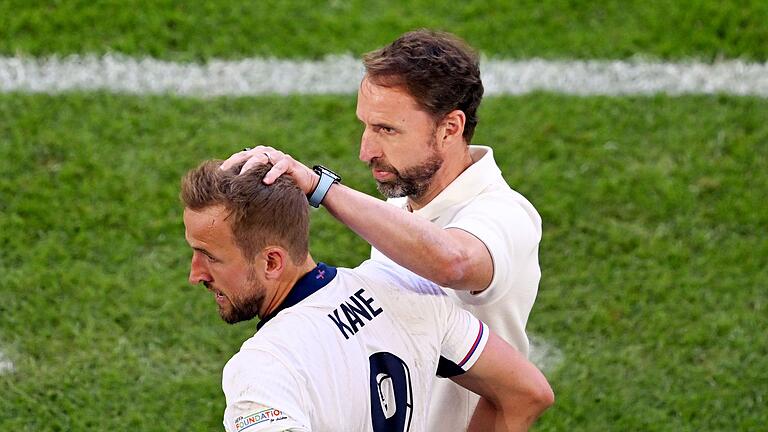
point(480, 202)
point(350, 350)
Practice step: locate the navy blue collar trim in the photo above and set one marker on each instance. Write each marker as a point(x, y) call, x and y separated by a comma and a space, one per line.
point(307, 285)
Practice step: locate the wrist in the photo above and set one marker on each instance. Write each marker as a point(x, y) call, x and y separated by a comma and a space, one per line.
point(325, 179)
point(314, 180)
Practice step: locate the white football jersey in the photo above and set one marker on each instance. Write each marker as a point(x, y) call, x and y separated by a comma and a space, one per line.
point(350, 350)
point(480, 202)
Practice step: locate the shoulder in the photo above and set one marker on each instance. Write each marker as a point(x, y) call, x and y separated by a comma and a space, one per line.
point(253, 362)
point(288, 342)
point(410, 303)
point(496, 192)
point(500, 196)
point(273, 363)
point(389, 275)
point(500, 214)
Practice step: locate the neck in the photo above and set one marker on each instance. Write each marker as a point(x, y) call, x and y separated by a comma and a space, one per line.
point(453, 166)
point(283, 286)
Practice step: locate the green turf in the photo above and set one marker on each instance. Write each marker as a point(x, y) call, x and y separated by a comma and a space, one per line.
point(702, 29)
point(654, 277)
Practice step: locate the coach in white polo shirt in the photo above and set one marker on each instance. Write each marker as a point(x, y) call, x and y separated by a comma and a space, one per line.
point(337, 349)
point(454, 220)
point(480, 202)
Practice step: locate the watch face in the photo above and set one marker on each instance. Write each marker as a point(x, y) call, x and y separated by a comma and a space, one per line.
point(320, 170)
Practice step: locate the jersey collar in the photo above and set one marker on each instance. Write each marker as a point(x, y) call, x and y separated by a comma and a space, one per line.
point(482, 173)
point(307, 285)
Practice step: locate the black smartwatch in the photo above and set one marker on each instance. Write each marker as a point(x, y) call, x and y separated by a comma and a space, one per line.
point(327, 179)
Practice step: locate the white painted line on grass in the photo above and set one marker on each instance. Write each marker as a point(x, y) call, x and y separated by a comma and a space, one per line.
point(123, 74)
point(544, 355)
point(626, 77)
point(341, 75)
point(6, 365)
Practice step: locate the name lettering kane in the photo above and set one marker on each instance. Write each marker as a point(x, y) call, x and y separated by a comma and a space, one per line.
point(354, 310)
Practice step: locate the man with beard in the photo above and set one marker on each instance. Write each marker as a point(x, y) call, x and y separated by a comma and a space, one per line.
point(453, 219)
point(337, 349)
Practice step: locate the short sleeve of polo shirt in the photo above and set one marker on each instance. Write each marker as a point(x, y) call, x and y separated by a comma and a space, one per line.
point(262, 395)
point(507, 231)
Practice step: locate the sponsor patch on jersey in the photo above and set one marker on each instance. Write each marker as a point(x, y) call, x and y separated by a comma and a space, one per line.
point(267, 415)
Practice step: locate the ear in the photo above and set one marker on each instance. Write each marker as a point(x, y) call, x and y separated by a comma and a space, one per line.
point(275, 261)
point(452, 126)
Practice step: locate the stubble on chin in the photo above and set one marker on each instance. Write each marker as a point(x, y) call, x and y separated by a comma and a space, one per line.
point(234, 314)
point(244, 309)
point(412, 182)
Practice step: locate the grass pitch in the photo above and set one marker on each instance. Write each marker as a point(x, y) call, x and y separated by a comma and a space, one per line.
point(653, 253)
point(654, 279)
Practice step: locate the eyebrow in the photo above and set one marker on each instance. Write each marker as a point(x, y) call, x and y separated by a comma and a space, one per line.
point(203, 251)
point(379, 123)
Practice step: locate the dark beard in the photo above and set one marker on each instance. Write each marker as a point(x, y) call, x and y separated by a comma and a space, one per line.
point(412, 182)
point(244, 312)
point(248, 307)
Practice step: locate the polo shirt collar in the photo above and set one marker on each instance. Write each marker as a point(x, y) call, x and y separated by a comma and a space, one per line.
point(307, 285)
point(469, 184)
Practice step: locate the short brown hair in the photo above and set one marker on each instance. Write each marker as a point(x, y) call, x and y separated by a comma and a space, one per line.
point(437, 69)
point(260, 214)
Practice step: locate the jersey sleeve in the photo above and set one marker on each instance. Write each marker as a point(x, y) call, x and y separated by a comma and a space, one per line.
point(509, 232)
point(464, 340)
point(262, 395)
point(255, 417)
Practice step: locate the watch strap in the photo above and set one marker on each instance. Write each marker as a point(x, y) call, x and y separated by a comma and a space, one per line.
point(325, 183)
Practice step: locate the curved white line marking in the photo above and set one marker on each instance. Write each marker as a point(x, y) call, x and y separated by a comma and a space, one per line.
point(6, 365)
point(544, 355)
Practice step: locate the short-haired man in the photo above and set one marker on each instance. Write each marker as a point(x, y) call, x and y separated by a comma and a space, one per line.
point(418, 102)
point(337, 349)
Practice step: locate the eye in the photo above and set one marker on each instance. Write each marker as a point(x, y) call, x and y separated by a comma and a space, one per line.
point(208, 257)
point(384, 129)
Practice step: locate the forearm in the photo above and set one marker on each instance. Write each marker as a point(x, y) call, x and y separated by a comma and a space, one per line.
point(491, 418)
point(414, 243)
point(514, 393)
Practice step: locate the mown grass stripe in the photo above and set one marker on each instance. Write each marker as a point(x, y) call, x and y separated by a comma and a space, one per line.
point(341, 75)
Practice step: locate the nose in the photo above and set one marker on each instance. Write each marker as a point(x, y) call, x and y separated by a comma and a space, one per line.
point(369, 146)
point(198, 271)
